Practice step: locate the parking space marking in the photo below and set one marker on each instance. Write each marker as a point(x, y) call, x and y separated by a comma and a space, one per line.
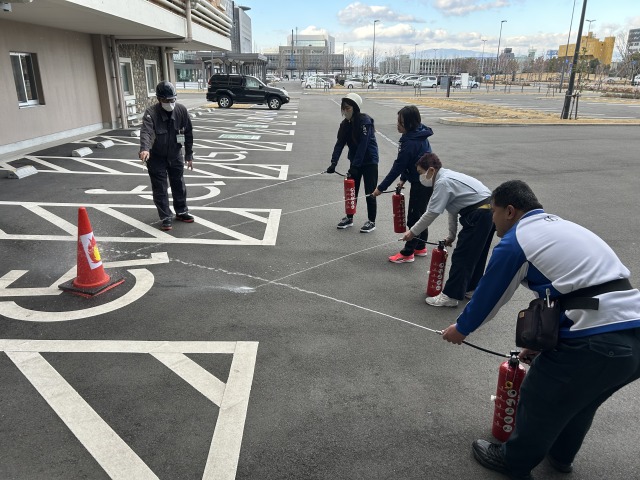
point(269, 217)
point(243, 145)
point(10, 277)
point(118, 460)
point(144, 282)
point(242, 129)
point(245, 171)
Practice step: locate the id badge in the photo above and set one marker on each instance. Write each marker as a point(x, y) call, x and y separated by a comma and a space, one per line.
point(180, 138)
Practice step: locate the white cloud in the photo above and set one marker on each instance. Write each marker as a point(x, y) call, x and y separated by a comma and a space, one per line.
point(313, 30)
point(359, 13)
point(464, 7)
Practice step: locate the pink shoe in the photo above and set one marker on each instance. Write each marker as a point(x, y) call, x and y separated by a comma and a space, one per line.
point(421, 253)
point(399, 258)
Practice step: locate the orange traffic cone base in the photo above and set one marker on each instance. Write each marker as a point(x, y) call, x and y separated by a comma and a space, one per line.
point(89, 292)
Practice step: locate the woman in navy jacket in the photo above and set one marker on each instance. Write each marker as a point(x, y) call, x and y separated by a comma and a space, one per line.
point(358, 133)
point(412, 145)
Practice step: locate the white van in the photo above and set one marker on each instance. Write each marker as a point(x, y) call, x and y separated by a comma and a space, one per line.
point(427, 81)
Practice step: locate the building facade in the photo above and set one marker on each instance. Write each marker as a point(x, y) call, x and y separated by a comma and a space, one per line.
point(590, 49)
point(67, 69)
point(633, 41)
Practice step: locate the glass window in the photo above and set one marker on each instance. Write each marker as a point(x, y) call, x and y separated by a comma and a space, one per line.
point(25, 77)
point(127, 76)
point(252, 82)
point(151, 72)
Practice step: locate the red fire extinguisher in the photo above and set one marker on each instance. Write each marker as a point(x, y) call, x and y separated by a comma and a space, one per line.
point(510, 378)
point(439, 257)
point(399, 219)
point(349, 196)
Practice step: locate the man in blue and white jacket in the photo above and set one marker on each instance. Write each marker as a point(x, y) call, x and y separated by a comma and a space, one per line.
point(599, 349)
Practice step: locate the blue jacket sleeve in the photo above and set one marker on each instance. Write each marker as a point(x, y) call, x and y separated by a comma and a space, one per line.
point(507, 267)
point(407, 153)
point(337, 149)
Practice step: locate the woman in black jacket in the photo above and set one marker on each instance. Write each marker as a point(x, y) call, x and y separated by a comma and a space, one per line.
point(357, 132)
point(412, 145)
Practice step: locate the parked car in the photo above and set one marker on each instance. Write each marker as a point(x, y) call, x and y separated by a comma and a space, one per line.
point(408, 80)
point(272, 78)
point(328, 78)
point(426, 81)
point(315, 82)
point(227, 89)
point(358, 82)
point(472, 84)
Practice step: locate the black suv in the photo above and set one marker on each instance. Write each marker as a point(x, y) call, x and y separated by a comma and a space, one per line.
point(227, 89)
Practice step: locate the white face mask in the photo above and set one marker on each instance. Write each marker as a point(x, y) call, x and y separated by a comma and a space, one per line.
point(347, 114)
point(427, 182)
point(169, 106)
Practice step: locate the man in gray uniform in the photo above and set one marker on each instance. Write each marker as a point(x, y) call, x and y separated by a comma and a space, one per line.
point(165, 129)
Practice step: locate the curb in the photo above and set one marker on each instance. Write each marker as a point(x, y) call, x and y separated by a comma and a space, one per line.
point(485, 123)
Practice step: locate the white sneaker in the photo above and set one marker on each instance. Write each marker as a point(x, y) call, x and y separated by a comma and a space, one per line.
point(441, 300)
point(469, 294)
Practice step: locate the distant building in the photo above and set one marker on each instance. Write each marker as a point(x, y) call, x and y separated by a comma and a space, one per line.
point(633, 42)
point(306, 54)
point(241, 33)
point(590, 48)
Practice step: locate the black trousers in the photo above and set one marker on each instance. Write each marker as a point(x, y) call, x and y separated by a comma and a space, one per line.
point(562, 392)
point(419, 196)
point(470, 255)
point(368, 173)
point(161, 168)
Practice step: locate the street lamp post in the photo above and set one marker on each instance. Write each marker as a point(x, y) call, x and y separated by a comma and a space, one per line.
point(498, 55)
point(373, 51)
point(587, 46)
point(569, 93)
point(415, 65)
point(566, 51)
point(484, 42)
point(344, 63)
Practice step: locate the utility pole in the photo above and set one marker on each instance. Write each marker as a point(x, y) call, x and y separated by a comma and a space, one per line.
point(495, 73)
point(572, 77)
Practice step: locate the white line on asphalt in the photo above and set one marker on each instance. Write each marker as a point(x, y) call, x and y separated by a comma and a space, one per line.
point(222, 462)
point(144, 282)
point(109, 450)
point(207, 384)
point(115, 346)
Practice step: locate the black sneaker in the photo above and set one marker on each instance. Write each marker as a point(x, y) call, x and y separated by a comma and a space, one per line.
point(346, 222)
point(559, 466)
point(185, 217)
point(166, 224)
point(489, 455)
point(368, 227)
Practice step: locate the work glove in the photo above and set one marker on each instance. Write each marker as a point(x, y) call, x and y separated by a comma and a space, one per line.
point(353, 171)
point(332, 168)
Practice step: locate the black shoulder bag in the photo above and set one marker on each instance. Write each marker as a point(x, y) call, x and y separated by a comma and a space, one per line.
point(537, 327)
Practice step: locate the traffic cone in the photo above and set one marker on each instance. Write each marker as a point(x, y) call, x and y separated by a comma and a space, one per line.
point(91, 278)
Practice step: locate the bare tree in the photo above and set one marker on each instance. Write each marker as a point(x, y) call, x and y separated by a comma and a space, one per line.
point(537, 67)
point(350, 60)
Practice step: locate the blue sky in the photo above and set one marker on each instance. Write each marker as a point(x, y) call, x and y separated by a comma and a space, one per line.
point(438, 24)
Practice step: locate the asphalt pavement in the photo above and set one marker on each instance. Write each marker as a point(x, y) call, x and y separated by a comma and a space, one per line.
point(261, 342)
